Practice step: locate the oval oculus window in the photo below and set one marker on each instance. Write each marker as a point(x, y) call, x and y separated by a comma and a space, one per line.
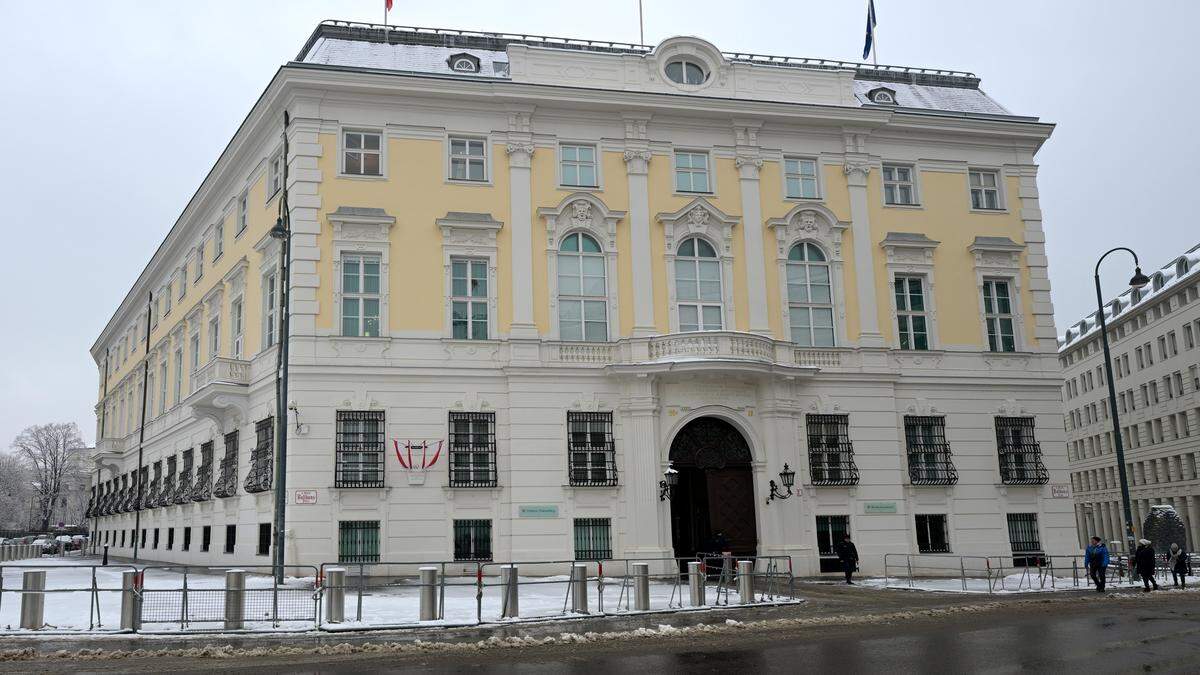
point(683, 71)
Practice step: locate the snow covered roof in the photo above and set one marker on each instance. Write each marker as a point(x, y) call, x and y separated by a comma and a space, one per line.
point(404, 57)
point(958, 99)
point(1162, 282)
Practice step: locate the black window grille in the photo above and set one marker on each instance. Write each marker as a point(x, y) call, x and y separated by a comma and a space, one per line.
point(150, 494)
point(929, 461)
point(202, 487)
point(1023, 537)
point(262, 465)
point(230, 538)
point(1020, 453)
point(593, 538)
point(830, 453)
point(931, 533)
point(831, 530)
point(264, 539)
point(359, 449)
point(358, 541)
point(590, 450)
point(166, 492)
point(473, 450)
point(472, 540)
point(183, 486)
point(227, 476)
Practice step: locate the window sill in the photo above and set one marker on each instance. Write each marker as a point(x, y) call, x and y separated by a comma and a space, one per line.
point(680, 193)
point(237, 235)
point(359, 176)
point(469, 183)
point(910, 207)
point(805, 200)
point(989, 211)
point(580, 188)
point(584, 486)
point(218, 257)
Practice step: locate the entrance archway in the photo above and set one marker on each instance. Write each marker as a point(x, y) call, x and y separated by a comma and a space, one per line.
point(713, 504)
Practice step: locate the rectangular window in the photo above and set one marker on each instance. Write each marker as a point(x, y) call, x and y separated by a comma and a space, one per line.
point(578, 165)
point(590, 450)
point(831, 530)
point(243, 212)
point(205, 538)
point(1024, 539)
point(472, 449)
point(230, 537)
point(997, 314)
point(264, 539)
point(275, 175)
point(691, 172)
point(270, 293)
point(1020, 453)
point(360, 295)
point(469, 299)
point(237, 321)
point(142, 544)
point(898, 186)
point(156, 537)
point(800, 176)
point(931, 533)
point(468, 159)
point(359, 448)
point(361, 153)
point(199, 264)
point(194, 350)
point(182, 284)
point(830, 454)
point(170, 538)
point(214, 337)
point(911, 320)
point(178, 376)
point(218, 240)
point(187, 538)
point(472, 540)
point(358, 541)
point(985, 190)
point(593, 539)
point(929, 459)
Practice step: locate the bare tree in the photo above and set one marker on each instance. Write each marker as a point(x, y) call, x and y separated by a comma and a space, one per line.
point(15, 492)
point(53, 453)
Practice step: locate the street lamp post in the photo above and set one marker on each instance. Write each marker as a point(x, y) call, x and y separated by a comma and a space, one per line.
point(1137, 281)
point(283, 232)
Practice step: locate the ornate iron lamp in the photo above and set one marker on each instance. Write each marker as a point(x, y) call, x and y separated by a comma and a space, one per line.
point(666, 487)
point(788, 478)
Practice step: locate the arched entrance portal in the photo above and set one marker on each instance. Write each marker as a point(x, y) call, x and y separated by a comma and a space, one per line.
point(713, 504)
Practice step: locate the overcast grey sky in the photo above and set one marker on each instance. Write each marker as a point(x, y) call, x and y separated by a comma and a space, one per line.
point(116, 110)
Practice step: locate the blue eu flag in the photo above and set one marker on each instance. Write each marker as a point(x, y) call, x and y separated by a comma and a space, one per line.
point(870, 41)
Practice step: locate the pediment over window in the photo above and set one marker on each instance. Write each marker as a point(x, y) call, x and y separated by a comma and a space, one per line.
point(911, 248)
point(811, 222)
point(361, 223)
point(699, 216)
point(585, 211)
point(996, 252)
point(463, 228)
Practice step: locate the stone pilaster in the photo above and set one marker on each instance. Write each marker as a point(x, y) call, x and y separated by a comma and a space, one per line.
point(637, 169)
point(304, 202)
point(749, 162)
point(857, 167)
point(520, 155)
point(1041, 309)
point(649, 526)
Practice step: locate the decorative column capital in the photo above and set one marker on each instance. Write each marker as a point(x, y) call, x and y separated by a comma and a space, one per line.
point(856, 172)
point(519, 153)
point(637, 161)
point(748, 166)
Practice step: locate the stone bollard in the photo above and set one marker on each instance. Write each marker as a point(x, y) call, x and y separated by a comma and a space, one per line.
point(510, 606)
point(696, 583)
point(429, 593)
point(106, 555)
point(745, 581)
point(579, 603)
point(4, 553)
point(235, 599)
point(131, 603)
point(335, 595)
point(641, 587)
point(33, 599)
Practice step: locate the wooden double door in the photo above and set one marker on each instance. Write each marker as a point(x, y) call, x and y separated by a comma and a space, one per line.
point(713, 505)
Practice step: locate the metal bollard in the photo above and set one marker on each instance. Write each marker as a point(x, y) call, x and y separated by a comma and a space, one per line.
point(335, 595)
point(696, 583)
point(579, 598)
point(33, 599)
point(745, 572)
point(429, 593)
point(510, 606)
point(641, 587)
point(106, 555)
point(235, 599)
point(4, 553)
point(131, 604)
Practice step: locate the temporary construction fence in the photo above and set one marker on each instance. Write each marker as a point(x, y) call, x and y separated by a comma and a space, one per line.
point(28, 601)
point(234, 596)
point(979, 574)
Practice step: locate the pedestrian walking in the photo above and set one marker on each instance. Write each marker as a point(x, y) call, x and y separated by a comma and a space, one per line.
point(1095, 559)
point(848, 554)
point(1178, 564)
point(1144, 562)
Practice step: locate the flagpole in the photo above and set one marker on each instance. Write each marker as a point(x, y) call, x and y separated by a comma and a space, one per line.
point(641, 25)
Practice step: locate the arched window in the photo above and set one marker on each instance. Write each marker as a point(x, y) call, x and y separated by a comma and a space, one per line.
point(685, 71)
point(810, 297)
point(582, 290)
point(698, 286)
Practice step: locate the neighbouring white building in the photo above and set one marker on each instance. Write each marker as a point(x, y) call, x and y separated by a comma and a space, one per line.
point(1154, 339)
point(573, 268)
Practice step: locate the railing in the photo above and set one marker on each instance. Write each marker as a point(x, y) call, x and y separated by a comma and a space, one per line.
point(258, 479)
point(1020, 572)
point(129, 500)
point(1022, 465)
point(819, 358)
point(183, 489)
point(150, 496)
point(832, 465)
point(931, 467)
point(188, 595)
point(220, 370)
point(99, 585)
point(167, 492)
point(226, 485)
point(585, 352)
point(202, 488)
point(589, 472)
point(107, 445)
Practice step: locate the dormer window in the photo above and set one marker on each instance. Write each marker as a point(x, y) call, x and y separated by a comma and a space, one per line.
point(1136, 295)
point(1181, 267)
point(882, 96)
point(1157, 282)
point(686, 71)
point(463, 63)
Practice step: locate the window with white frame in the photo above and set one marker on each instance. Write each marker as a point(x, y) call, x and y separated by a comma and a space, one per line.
point(686, 71)
point(469, 299)
point(691, 172)
point(243, 212)
point(237, 325)
point(800, 177)
point(270, 302)
point(167, 298)
point(275, 174)
point(810, 299)
point(199, 264)
point(698, 286)
point(214, 336)
point(360, 295)
point(194, 350)
point(578, 165)
point(998, 315)
point(162, 384)
point(178, 390)
point(218, 240)
point(582, 289)
point(911, 318)
point(898, 186)
point(362, 153)
point(985, 189)
point(468, 159)
point(182, 282)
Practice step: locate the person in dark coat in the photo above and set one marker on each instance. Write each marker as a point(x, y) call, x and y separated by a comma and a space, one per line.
point(1144, 561)
point(1095, 559)
point(848, 554)
point(1178, 564)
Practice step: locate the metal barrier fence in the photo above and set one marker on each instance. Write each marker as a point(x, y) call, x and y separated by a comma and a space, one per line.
point(186, 595)
point(63, 585)
point(989, 574)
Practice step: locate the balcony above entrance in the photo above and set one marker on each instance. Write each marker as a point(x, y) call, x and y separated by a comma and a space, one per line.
point(709, 351)
point(220, 387)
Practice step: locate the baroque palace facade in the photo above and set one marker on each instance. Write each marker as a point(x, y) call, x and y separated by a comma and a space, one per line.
point(534, 279)
point(1154, 338)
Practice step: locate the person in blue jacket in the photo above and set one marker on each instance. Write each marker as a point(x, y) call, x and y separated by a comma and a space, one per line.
point(1095, 559)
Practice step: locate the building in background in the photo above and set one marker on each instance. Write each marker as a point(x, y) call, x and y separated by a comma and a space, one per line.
point(1154, 338)
point(533, 278)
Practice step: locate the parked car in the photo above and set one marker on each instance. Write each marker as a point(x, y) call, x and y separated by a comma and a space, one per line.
point(48, 546)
